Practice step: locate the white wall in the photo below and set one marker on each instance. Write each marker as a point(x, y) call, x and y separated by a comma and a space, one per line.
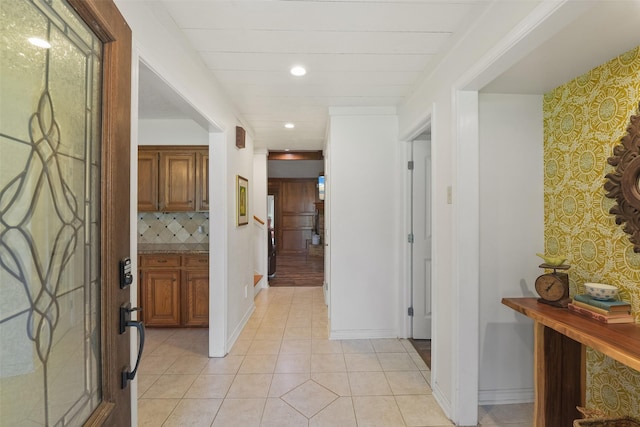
point(171, 132)
point(159, 43)
point(260, 231)
point(240, 244)
point(455, 275)
point(365, 207)
point(511, 232)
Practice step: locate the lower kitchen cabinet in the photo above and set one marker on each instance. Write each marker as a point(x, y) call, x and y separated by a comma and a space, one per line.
point(161, 297)
point(174, 290)
point(196, 298)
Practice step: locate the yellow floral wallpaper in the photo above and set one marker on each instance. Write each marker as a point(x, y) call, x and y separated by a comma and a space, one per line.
point(583, 120)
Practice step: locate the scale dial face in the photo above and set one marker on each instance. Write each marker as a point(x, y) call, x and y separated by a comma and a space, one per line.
point(550, 287)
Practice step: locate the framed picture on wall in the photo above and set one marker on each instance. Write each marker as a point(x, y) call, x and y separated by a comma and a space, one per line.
point(242, 200)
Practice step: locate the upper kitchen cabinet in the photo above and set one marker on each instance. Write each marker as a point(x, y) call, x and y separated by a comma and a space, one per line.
point(173, 179)
point(147, 181)
point(202, 182)
point(177, 189)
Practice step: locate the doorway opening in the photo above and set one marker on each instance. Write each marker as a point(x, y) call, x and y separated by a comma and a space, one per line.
point(295, 218)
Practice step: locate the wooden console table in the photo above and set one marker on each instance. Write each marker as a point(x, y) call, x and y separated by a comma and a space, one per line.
point(560, 339)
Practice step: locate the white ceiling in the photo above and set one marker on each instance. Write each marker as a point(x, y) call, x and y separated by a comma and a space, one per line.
point(157, 100)
point(357, 53)
point(604, 31)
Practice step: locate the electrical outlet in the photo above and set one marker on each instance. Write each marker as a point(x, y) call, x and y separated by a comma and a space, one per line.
point(449, 195)
point(246, 290)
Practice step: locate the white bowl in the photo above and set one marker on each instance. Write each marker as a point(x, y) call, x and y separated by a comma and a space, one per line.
point(602, 292)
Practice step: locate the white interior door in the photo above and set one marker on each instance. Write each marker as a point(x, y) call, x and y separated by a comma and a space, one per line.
point(421, 228)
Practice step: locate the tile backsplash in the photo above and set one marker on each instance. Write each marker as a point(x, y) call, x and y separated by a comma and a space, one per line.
point(176, 227)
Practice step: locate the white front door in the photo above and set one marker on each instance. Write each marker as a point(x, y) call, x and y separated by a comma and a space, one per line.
point(421, 225)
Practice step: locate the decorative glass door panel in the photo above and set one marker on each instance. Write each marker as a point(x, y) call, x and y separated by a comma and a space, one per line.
point(50, 99)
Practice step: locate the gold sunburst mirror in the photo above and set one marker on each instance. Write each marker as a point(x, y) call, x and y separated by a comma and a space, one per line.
point(623, 185)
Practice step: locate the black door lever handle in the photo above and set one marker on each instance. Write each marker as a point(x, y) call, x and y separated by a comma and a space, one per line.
point(126, 322)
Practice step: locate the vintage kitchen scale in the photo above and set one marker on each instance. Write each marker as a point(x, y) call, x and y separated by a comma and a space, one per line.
point(553, 288)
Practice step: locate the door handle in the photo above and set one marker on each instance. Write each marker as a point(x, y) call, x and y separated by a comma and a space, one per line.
point(126, 322)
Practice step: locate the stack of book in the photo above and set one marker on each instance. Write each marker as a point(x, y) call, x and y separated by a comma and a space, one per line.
point(602, 311)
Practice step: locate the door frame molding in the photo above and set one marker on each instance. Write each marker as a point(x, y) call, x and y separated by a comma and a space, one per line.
point(105, 20)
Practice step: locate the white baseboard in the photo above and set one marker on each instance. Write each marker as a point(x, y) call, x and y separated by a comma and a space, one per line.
point(504, 397)
point(442, 400)
point(238, 330)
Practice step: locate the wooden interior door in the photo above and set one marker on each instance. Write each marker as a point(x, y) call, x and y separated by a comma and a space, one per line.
point(295, 213)
point(64, 222)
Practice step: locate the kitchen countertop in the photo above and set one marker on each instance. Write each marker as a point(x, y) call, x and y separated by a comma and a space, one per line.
point(165, 248)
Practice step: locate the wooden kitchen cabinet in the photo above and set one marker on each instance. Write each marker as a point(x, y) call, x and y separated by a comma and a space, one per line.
point(177, 181)
point(174, 290)
point(161, 298)
point(173, 179)
point(196, 298)
point(147, 181)
point(202, 182)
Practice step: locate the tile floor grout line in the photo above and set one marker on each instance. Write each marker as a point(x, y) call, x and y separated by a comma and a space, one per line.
point(276, 311)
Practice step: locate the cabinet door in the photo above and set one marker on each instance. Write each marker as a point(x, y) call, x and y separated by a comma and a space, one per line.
point(147, 181)
point(202, 183)
point(177, 181)
point(161, 297)
point(196, 298)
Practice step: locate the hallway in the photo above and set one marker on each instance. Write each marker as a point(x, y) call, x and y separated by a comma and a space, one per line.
point(283, 371)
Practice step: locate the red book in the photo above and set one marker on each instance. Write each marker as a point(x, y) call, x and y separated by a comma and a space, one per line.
point(600, 317)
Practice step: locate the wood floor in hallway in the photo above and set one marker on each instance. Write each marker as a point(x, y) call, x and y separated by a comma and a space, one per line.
point(298, 270)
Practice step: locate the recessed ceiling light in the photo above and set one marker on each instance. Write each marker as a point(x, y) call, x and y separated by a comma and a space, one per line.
point(287, 149)
point(289, 125)
point(298, 71)
point(39, 42)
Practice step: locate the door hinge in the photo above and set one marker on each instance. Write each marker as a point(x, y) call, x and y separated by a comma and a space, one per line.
point(410, 311)
point(410, 165)
point(410, 238)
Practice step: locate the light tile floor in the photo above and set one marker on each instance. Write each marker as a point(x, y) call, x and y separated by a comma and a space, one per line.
point(284, 371)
